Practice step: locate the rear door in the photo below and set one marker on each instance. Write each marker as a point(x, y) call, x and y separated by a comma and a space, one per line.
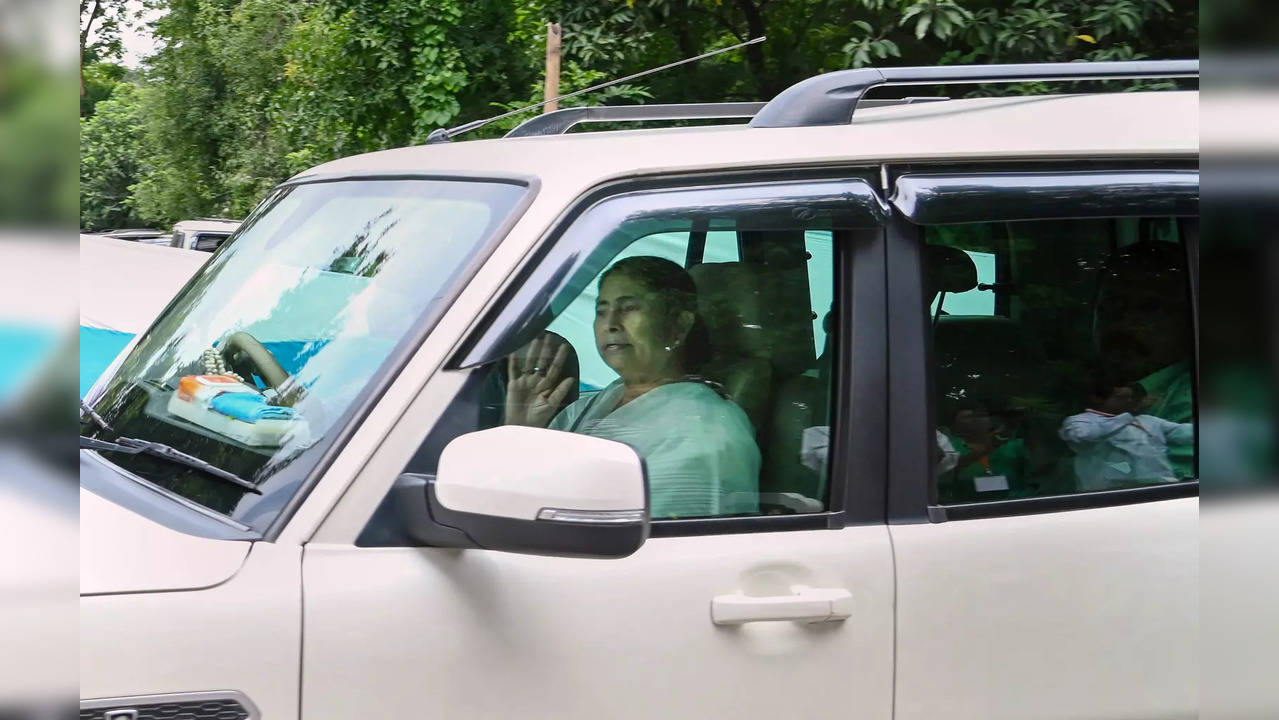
point(1047, 567)
point(397, 630)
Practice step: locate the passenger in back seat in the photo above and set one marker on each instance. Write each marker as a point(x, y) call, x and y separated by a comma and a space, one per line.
point(1144, 331)
point(991, 463)
point(1116, 445)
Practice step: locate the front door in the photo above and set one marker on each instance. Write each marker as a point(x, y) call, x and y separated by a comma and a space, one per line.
point(796, 512)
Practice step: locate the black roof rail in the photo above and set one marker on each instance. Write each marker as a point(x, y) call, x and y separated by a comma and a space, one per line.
point(559, 122)
point(830, 99)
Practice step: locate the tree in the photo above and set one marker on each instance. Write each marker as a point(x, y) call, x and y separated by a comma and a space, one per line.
point(97, 81)
point(110, 160)
point(364, 75)
point(100, 25)
point(212, 87)
point(244, 93)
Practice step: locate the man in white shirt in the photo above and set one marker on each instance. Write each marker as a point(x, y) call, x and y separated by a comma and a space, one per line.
point(1116, 447)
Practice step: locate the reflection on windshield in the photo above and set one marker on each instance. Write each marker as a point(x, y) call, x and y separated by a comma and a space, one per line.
point(264, 355)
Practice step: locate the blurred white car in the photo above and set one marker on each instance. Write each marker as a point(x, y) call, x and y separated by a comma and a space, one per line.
point(203, 234)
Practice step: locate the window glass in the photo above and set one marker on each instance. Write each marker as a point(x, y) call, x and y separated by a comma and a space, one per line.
point(1076, 375)
point(708, 370)
point(978, 301)
point(721, 246)
point(209, 243)
point(821, 285)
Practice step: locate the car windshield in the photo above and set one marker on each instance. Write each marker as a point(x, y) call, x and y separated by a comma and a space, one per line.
point(265, 355)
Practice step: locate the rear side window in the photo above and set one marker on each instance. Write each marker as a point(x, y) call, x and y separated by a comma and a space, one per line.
point(1063, 357)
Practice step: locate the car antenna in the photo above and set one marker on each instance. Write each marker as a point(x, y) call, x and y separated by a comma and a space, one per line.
point(441, 135)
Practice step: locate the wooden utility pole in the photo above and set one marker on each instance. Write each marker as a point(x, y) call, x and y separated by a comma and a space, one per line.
point(552, 66)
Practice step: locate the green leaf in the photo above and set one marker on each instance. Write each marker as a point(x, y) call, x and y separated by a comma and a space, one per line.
point(943, 26)
point(921, 29)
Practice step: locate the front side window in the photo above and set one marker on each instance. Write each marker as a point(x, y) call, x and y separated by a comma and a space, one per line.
point(707, 369)
point(1070, 369)
point(262, 359)
point(697, 335)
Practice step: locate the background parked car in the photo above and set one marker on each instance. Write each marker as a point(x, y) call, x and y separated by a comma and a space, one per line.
point(203, 234)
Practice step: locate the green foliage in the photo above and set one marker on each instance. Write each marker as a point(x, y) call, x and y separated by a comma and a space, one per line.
point(100, 79)
point(364, 75)
point(100, 24)
point(244, 93)
point(110, 155)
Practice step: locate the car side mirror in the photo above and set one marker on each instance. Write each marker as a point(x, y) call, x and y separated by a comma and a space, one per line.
point(530, 490)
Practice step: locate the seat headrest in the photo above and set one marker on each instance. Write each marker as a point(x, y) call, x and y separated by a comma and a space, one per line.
point(948, 270)
point(753, 312)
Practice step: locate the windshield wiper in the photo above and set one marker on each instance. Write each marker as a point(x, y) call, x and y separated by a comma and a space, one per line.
point(133, 446)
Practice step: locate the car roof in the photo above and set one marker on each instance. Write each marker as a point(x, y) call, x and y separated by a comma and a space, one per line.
point(1137, 124)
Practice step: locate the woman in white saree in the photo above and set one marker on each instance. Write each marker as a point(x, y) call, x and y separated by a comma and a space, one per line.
point(699, 447)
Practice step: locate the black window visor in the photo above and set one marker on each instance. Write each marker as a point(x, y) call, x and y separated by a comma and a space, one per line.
point(590, 241)
point(938, 199)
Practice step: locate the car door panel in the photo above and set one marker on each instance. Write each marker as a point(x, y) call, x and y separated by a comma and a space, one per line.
point(1081, 614)
point(433, 632)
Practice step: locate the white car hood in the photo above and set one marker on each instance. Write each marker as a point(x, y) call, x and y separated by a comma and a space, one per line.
point(123, 552)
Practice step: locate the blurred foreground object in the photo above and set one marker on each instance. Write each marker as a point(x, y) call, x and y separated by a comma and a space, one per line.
point(37, 488)
point(38, 207)
point(1239, 529)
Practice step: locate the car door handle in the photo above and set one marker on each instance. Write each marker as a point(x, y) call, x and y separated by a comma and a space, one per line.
point(804, 604)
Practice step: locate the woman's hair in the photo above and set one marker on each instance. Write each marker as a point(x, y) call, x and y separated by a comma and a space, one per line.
point(678, 294)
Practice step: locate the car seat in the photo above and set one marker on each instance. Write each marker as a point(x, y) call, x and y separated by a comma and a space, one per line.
point(760, 326)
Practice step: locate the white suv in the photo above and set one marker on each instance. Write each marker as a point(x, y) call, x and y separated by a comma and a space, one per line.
point(886, 414)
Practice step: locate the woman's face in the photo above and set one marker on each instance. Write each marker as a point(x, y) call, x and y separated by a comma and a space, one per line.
point(634, 335)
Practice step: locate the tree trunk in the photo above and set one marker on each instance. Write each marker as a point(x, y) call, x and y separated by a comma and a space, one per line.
point(84, 38)
point(756, 27)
